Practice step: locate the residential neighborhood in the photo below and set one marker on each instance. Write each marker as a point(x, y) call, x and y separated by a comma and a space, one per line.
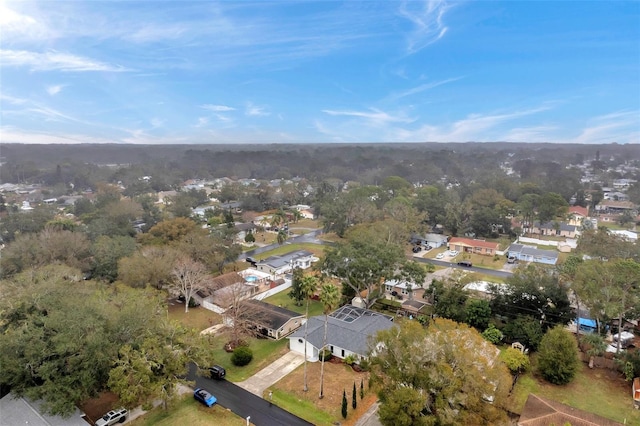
point(320, 280)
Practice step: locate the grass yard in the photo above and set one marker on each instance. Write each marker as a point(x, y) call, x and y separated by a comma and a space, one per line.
point(316, 249)
point(288, 394)
point(283, 300)
point(265, 351)
point(598, 390)
point(187, 411)
point(197, 318)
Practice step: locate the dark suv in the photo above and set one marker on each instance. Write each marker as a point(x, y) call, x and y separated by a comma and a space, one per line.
point(465, 263)
point(217, 372)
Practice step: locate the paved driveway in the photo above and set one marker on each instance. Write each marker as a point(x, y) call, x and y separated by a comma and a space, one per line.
point(244, 403)
point(272, 373)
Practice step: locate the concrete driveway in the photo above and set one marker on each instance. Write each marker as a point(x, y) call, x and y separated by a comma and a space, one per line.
point(272, 373)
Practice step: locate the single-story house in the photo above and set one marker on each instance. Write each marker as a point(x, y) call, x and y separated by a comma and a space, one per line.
point(226, 289)
point(278, 265)
point(532, 254)
point(540, 411)
point(559, 229)
point(576, 215)
point(469, 245)
point(272, 321)
point(401, 288)
point(348, 331)
point(15, 410)
point(611, 206)
point(435, 240)
point(243, 229)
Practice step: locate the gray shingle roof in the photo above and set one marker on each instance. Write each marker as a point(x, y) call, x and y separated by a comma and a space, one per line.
point(285, 259)
point(348, 327)
point(532, 251)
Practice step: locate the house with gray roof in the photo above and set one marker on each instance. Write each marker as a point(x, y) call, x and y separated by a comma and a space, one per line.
point(532, 254)
point(278, 265)
point(348, 331)
point(270, 320)
point(558, 229)
point(15, 410)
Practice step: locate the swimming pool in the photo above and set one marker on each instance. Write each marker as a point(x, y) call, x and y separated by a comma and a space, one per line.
point(251, 278)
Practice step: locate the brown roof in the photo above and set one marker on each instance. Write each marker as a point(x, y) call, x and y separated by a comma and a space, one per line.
point(582, 211)
point(540, 411)
point(221, 281)
point(474, 243)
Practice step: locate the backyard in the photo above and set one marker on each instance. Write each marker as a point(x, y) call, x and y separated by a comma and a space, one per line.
point(600, 391)
point(283, 300)
point(187, 411)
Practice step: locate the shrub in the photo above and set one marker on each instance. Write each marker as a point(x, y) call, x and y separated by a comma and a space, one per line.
point(558, 356)
point(325, 354)
point(344, 404)
point(350, 359)
point(354, 397)
point(493, 335)
point(241, 356)
point(365, 365)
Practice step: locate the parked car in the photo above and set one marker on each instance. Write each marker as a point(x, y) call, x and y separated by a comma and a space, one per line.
point(217, 372)
point(204, 397)
point(465, 263)
point(453, 253)
point(511, 259)
point(440, 256)
point(251, 260)
point(416, 249)
point(113, 417)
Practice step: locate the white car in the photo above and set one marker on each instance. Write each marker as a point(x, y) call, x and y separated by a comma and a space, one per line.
point(453, 253)
point(439, 255)
point(113, 417)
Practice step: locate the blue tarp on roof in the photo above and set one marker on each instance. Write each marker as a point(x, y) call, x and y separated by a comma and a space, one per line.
point(587, 322)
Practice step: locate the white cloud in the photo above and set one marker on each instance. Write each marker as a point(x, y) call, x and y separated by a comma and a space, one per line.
point(156, 122)
point(10, 134)
point(428, 23)
point(54, 90)
point(19, 26)
point(422, 88)
point(12, 100)
point(217, 108)
point(374, 116)
point(621, 127)
point(202, 122)
point(53, 60)
point(255, 111)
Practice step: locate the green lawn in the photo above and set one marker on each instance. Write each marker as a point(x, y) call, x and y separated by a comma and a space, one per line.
point(197, 318)
point(594, 390)
point(265, 351)
point(187, 411)
point(283, 300)
point(302, 408)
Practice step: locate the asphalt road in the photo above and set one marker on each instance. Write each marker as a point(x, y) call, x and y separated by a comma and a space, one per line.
point(311, 237)
point(244, 403)
point(446, 264)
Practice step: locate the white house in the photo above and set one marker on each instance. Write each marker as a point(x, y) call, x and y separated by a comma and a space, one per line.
point(279, 265)
point(348, 332)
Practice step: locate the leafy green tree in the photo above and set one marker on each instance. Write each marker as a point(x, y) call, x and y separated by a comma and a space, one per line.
point(17, 223)
point(242, 356)
point(362, 264)
point(524, 329)
point(282, 236)
point(296, 293)
point(168, 231)
point(149, 266)
point(329, 297)
point(478, 314)
point(441, 375)
point(249, 238)
point(551, 205)
point(107, 251)
point(558, 356)
point(517, 363)
point(307, 287)
point(449, 300)
point(534, 291)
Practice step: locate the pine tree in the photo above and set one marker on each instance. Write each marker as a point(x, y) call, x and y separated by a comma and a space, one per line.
point(344, 404)
point(361, 388)
point(354, 397)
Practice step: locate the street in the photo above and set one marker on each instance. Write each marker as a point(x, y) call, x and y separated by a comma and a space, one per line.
point(244, 403)
point(446, 264)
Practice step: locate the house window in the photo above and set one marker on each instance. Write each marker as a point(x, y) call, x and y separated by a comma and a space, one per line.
point(331, 347)
point(343, 353)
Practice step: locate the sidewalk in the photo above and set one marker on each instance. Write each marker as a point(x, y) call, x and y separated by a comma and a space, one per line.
point(272, 373)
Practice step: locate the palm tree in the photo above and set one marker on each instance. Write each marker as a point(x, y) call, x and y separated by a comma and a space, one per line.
point(296, 215)
point(282, 236)
point(329, 297)
point(278, 217)
point(308, 286)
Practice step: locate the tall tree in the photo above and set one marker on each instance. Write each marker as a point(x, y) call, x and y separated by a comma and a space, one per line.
point(308, 286)
point(329, 297)
point(446, 374)
point(189, 277)
point(558, 356)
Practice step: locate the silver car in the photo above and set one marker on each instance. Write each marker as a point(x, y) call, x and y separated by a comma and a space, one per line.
point(113, 417)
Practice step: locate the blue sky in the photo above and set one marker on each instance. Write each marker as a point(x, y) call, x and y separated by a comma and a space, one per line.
point(283, 72)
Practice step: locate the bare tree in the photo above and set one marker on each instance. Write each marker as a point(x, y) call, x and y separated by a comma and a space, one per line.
point(240, 317)
point(189, 277)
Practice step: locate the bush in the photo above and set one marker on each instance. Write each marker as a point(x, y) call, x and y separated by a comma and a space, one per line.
point(325, 354)
point(350, 359)
point(558, 356)
point(365, 365)
point(493, 335)
point(241, 356)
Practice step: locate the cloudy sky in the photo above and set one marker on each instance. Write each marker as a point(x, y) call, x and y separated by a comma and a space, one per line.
point(355, 71)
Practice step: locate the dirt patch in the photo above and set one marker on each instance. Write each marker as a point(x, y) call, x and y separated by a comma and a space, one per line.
point(96, 407)
point(337, 377)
